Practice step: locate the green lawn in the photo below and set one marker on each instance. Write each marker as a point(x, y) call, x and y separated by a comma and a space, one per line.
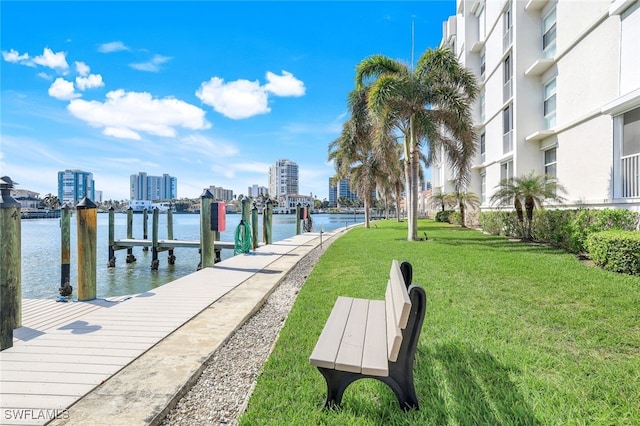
point(514, 334)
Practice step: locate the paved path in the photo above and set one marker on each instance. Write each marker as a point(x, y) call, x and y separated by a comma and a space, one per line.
point(124, 363)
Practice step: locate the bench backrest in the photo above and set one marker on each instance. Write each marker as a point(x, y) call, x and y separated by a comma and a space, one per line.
point(398, 307)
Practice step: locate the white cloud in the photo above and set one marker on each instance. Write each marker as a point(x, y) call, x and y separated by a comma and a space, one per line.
point(45, 76)
point(62, 89)
point(207, 148)
point(284, 85)
point(13, 56)
point(89, 82)
point(153, 65)
point(114, 46)
point(237, 99)
point(127, 114)
point(82, 69)
point(243, 98)
point(56, 61)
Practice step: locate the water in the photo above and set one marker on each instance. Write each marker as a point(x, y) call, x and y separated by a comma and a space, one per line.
point(41, 251)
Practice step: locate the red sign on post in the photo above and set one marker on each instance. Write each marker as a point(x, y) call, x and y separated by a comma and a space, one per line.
point(218, 217)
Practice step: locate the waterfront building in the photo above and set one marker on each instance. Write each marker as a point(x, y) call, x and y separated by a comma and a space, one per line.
point(153, 188)
point(559, 95)
point(74, 185)
point(221, 194)
point(341, 190)
point(283, 178)
point(29, 200)
point(254, 191)
point(288, 203)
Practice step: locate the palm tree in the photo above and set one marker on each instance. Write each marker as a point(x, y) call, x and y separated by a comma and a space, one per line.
point(51, 201)
point(464, 200)
point(431, 103)
point(439, 200)
point(528, 191)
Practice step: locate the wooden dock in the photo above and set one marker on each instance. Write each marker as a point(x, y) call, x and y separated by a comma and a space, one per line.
point(64, 351)
point(168, 244)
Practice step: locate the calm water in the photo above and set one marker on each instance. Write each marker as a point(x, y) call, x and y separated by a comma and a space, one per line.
point(41, 251)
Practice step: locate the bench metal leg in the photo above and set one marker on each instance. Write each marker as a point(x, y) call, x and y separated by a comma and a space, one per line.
point(338, 381)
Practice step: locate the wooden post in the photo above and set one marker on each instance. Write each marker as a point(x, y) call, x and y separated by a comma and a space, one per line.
point(10, 266)
point(207, 254)
point(87, 223)
point(130, 257)
point(112, 252)
point(267, 220)
point(145, 220)
point(254, 226)
point(298, 219)
point(154, 240)
point(65, 249)
point(171, 258)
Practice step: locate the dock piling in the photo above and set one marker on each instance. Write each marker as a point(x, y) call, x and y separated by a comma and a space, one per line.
point(112, 252)
point(10, 264)
point(298, 219)
point(65, 252)
point(207, 254)
point(145, 226)
point(154, 240)
point(130, 257)
point(87, 222)
point(171, 258)
point(267, 220)
point(254, 226)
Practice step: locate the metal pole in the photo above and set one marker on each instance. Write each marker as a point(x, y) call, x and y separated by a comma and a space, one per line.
point(10, 258)
point(87, 213)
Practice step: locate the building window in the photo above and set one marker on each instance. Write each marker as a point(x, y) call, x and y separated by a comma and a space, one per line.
point(506, 28)
point(482, 148)
point(550, 163)
point(549, 104)
point(549, 34)
point(483, 66)
point(507, 80)
point(506, 171)
point(507, 130)
point(630, 160)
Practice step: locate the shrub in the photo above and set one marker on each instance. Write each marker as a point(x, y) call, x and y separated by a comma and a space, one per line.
point(500, 223)
point(443, 215)
point(455, 218)
point(616, 250)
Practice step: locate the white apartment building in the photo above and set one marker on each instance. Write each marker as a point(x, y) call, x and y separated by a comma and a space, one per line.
point(559, 94)
point(283, 178)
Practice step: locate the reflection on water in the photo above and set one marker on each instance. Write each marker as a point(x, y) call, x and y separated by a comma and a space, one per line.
point(41, 251)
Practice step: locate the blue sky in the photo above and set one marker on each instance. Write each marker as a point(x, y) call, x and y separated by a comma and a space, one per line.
point(210, 92)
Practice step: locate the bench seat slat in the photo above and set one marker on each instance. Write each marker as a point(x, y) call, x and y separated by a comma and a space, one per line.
point(350, 353)
point(374, 358)
point(326, 350)
point(401, 301)
point(394, 334)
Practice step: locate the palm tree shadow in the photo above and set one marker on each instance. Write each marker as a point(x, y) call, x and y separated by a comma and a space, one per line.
point(458, 385)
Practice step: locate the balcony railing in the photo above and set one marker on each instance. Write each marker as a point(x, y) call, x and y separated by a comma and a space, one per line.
point(506, 40)
point(507, 90)
point(631, 176)
point(507, 142)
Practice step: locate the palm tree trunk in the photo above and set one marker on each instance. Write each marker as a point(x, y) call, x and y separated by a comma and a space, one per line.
point(529, 206)
point(462, 219)
point(367, 219)
point(398, 196)
point(413, 184)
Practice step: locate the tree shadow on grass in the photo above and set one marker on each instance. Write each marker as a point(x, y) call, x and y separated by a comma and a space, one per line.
point(459, 385)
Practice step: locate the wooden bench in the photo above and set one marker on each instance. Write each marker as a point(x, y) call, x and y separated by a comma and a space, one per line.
point(373, 339)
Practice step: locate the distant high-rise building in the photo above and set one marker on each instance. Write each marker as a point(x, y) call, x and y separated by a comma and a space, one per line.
point(283, 178)
point(255, 191)
point(74, 185)
point(340, 190)
point(153, 188)
point(220, 193)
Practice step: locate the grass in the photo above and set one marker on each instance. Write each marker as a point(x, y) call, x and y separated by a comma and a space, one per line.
point(514, 334)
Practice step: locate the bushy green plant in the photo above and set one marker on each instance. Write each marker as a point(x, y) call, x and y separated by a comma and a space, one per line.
point(455, 218)
point(553, 226)
point(590, 221)
point(500, 223)
point(615, 250)
point(443, 215)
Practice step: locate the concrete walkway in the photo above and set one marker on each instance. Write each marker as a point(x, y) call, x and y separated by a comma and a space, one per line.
point(126, 363)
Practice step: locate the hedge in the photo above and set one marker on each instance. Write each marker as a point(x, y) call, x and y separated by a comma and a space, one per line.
point(616, 250)
point(567, 229)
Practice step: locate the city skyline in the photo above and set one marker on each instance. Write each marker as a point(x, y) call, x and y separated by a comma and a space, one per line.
point(224, 92)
